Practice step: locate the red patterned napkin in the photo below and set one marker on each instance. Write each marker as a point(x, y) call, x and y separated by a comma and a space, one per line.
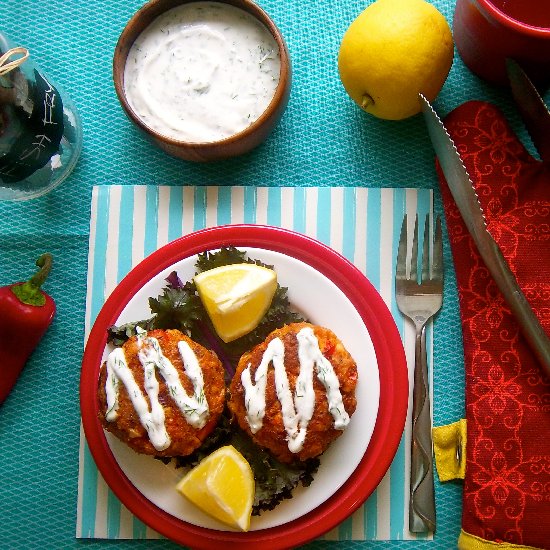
point(507, 480)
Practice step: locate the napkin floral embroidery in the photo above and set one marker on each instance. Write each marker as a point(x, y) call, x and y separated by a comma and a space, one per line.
point(507, 483)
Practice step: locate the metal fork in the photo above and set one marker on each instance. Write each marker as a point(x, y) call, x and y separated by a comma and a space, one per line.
point(419, 301)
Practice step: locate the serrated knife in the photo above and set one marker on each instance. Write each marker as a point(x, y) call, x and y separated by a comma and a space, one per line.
point(466, 199)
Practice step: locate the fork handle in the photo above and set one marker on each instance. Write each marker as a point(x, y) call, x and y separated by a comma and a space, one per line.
point(422, 498)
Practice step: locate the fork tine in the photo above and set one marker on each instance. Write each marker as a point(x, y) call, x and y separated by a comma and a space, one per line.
point(414, 256)
point(401, 264)
point(426, 251)
point(437, 264)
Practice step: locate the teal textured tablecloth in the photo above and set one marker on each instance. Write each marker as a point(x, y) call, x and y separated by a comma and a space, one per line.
point(323, 139)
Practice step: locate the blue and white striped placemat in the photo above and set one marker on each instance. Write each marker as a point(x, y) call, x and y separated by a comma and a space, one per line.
point(130, 222)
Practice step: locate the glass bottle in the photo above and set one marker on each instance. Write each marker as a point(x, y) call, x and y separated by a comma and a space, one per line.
point(40, 129)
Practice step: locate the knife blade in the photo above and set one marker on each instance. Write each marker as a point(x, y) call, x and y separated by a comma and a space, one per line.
point(533, 110)
point(466, 199)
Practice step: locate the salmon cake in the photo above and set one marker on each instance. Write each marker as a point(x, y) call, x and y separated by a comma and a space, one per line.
point(161, 393)
point(295, 392)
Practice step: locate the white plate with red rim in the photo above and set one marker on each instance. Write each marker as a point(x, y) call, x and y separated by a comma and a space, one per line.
point(329, 291)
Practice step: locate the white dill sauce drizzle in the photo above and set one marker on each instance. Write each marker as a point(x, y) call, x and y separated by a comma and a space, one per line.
point(193, 407)
point(296, 410)
point(202, 72)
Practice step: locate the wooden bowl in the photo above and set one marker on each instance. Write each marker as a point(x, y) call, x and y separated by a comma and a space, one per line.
point(234, 145)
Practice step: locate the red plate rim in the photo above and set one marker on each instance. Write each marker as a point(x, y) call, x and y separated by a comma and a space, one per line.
point(392, 365)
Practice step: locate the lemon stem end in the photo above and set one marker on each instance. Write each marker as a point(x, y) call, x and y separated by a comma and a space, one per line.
point(366, 101)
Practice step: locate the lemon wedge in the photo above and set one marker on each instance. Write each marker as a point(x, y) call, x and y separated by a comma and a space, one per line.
point(222, 485)
point(236, 297)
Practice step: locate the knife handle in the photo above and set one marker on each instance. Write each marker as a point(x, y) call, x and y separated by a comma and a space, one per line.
point(422, 496)
point(528, 321)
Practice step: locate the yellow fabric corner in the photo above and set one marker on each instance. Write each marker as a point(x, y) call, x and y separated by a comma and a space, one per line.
point(471, 542)
point(450, 450)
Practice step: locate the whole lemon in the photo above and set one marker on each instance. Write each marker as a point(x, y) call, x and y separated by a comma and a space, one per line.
point(393, 51)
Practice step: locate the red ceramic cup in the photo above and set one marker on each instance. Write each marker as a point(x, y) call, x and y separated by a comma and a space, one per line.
point(486, 32)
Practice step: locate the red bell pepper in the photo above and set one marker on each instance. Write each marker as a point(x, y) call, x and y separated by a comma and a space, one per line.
point(26, 312)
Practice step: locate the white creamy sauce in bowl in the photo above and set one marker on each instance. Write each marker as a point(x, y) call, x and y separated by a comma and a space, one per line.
point(202, 72)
